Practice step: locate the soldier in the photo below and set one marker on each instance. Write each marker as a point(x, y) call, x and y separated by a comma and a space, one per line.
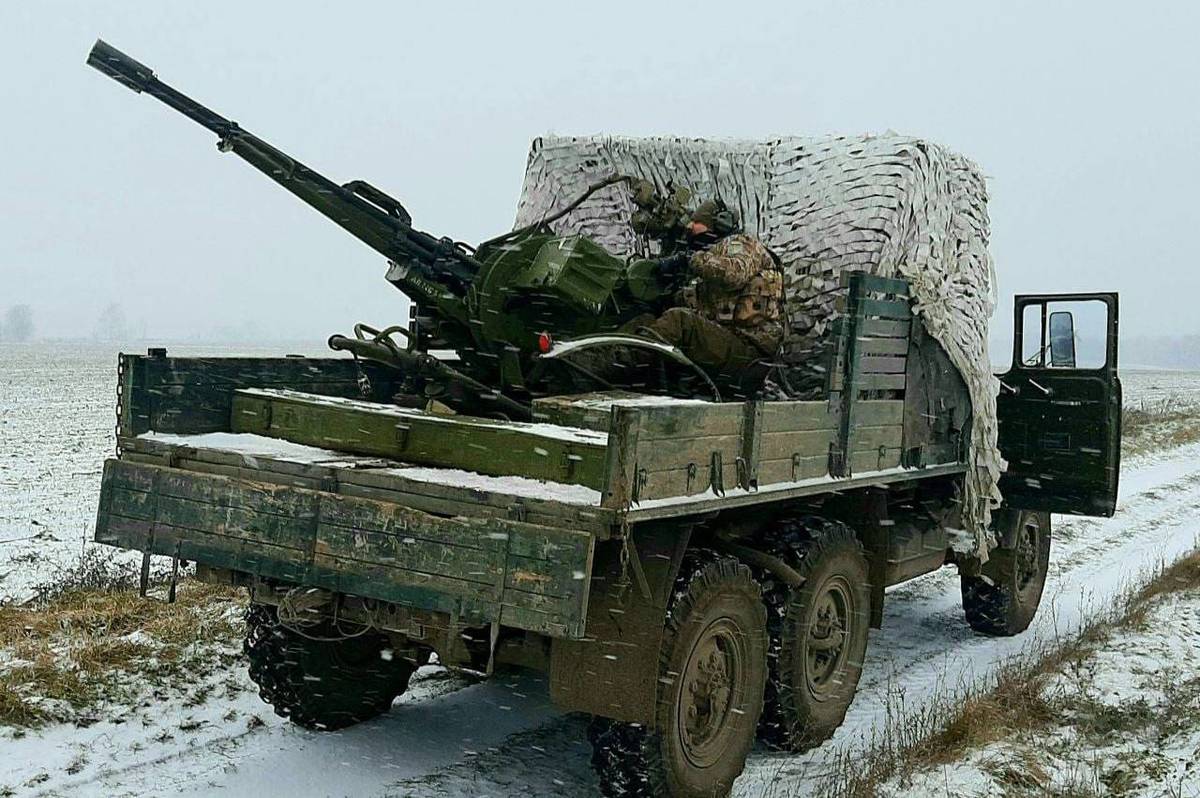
point(731, 321)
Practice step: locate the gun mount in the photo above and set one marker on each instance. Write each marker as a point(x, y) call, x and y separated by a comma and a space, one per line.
point(492, 304)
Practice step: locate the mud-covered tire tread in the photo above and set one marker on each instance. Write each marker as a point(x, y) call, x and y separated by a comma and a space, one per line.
point(803, 542)
point(996, 607)
point(304, 682)
point(627, 757)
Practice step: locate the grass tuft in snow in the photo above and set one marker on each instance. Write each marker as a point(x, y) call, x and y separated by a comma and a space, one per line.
point(1153, 426)
point(1033, 700)
point(82, 645)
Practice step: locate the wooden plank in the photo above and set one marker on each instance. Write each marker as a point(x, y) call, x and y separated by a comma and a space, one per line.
point(588, 410)
point(670, 482)
point(409, 553)
point(806, 443)
point(219, 551)
point(192, 395)
point(880, 382)
point(481, 445)
point(670, 421)
point(548, 543)
point(884, 308)
point(477, 608)
point(789, 416)
point(882, 346)
point(788, 470)
point(865, 461)
point(531, 576)
point(879, 412)
point(657, 455)
point(621, 458)
point(383, 551)
point(882, 328)
point(350, 475)
point(869, 364)
point(864, 437)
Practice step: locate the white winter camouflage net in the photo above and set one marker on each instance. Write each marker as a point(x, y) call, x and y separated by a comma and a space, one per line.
point(889, 205)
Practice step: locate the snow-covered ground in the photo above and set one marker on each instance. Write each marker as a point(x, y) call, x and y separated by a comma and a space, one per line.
point(1127, 722)
point(450, 737)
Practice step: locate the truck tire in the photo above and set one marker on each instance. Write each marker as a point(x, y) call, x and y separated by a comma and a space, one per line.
point(321, 684)
point(1003, 600)
point(712, 670)
point(818, 632)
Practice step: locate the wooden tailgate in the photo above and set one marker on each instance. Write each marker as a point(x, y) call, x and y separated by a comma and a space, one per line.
point(482, 569)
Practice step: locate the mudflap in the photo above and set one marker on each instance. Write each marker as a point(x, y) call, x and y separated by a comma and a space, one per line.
point(613, 671)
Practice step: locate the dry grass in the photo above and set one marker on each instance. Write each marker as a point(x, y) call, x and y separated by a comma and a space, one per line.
point(1158, 425)
point(66, 654)
point(1017, 705)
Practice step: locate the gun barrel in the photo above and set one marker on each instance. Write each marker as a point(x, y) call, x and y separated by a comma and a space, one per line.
point(118, 66)
point(362, 210)
point(135, 75)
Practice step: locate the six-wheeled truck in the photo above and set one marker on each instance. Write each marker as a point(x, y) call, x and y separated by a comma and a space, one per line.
point(694, 572)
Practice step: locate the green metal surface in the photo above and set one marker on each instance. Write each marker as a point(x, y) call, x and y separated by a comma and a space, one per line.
point(1060, 428)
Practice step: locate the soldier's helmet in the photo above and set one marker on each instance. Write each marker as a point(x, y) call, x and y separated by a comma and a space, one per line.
point(717, 217)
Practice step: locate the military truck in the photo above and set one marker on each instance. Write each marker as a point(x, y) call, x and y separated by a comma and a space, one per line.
point(691, 570)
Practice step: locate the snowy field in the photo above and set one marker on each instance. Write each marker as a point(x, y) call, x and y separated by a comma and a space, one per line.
point(450, 736)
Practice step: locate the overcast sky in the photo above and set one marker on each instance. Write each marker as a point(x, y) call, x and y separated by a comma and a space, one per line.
point(1083, 115)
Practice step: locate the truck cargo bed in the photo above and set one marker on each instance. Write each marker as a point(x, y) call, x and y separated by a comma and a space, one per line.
point(350, 525)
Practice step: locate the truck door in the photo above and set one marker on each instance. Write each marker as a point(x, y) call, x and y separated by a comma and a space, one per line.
point(1060, 405)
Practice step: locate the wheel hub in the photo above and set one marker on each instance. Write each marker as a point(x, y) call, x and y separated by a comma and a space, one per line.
point(1028, 554)
point(708, 695)
point(827, 634)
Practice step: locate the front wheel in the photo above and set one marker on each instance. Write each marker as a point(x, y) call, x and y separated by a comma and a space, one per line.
point(1004, 598)
point(712, 670)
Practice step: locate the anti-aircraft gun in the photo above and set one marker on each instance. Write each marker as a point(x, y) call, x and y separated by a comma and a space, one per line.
point(497, 305)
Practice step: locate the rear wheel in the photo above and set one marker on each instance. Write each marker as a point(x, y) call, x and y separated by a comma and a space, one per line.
point(1004, 599)
point(818, 633)
point(322, 683)
point(712, 670)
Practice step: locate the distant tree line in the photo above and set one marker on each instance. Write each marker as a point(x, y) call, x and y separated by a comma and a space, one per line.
point(17, 324)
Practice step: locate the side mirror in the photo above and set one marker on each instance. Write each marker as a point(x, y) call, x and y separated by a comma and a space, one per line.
point(1062, 340)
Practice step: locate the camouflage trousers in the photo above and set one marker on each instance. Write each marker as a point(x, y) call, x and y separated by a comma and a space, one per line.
point(735, 361)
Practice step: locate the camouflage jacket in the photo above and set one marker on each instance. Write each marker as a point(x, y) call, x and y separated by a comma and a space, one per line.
point(739, 284)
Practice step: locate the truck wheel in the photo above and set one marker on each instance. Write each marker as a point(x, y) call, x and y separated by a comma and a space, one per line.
point(1003, 601)
point(818, 633)
point(321, 684)
point(712, 669)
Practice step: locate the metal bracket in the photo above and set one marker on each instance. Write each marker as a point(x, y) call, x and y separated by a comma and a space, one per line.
point(174, 575)
point(716, 474)
point(402, 431)
point(838, 466)
point(692, 471)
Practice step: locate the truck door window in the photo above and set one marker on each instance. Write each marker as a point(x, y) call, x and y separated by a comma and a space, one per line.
point(1065, 335)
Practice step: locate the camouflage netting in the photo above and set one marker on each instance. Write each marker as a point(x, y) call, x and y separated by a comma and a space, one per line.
point(890, 205)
